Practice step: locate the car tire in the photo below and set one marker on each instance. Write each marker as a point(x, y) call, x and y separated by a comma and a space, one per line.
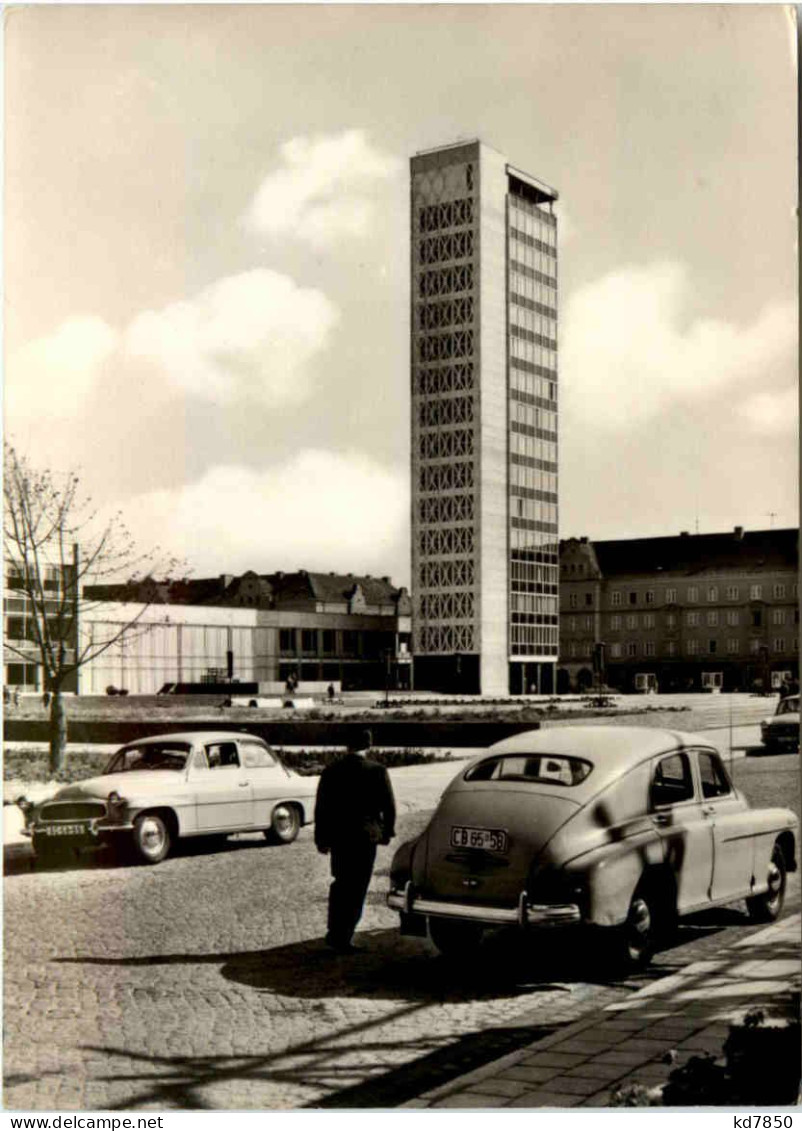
point(284, 826)
point(151, 840)
point(455, 939)
point(633, 943)
point(767, 907)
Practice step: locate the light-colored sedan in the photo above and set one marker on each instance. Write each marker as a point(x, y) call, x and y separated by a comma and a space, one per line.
point(159, 790)
point(619, 829)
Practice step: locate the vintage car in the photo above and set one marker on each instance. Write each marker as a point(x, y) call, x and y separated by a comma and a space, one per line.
point(781, 731)
point(158, 790)
point(618, 829)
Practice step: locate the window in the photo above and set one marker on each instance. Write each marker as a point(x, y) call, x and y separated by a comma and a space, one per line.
point(615, 621)
point(755, 592)
point(779, 643)
point(672, 781)
point(649, 648)
point(632, 620)
point(754, 645)
point(588, 598)
point(255, 756)
point(572, 601)
point(778, 616)
point(733, 617)
point(712, 592)
point(632, 648)
point(222, 755)
point(350, 641)
point(286, 640)
point(329, 641)
point(733, 645)
point(757, 618)
point(693, 647)
point(671, 596)
point(633, 598)
point(733, 592)
point(711, 646)
point(693, 593)
point(671, 620)
point(616, 650)
point(615, 597)
point(712, 618)
point(648, 620)
point(572, 624)
point(692, 619)
point(779, 591)
point(650, 596)
point(671, 647)
point(547, 769)
point(309, 641)
point(715, 782)
point(588, 622)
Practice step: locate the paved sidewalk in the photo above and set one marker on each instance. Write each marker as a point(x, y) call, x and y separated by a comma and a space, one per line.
point(628, 1042)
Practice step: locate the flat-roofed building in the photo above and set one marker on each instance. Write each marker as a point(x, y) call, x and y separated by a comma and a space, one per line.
point(484, 423)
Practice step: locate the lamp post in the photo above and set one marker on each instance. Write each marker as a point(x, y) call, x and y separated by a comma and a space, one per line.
point(387, 661)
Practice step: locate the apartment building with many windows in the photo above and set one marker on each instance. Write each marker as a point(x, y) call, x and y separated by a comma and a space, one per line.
point(692, 612)
point(484, 423)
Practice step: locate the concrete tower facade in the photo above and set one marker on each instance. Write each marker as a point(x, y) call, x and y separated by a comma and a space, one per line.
point(484, 423)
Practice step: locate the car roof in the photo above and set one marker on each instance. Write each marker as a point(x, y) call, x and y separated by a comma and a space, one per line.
point(193, 736)
point(612, 749)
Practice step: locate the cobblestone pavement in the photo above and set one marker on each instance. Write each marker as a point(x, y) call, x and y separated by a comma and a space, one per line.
point(204, 983)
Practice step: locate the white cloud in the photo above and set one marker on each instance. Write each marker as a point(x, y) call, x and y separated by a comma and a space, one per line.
point(248, 336)
point(55, 375)
point(323, 190)
point(772, 413)
point(320, 510)
point(627, 356)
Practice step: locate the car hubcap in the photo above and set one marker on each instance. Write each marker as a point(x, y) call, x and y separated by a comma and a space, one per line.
point(640, 923)
point(775, 882)
point(283, 821)
point(151, 837)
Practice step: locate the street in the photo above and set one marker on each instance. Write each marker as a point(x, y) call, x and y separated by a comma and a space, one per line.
point(204, 983)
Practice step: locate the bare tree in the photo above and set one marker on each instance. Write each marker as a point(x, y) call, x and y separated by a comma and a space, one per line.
point(55, 546)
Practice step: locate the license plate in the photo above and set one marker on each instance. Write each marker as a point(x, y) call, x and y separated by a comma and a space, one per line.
point(463, 836)
point(66, 830)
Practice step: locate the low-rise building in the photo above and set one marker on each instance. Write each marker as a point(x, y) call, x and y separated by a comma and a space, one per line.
point(352, 631)
point(691, 612)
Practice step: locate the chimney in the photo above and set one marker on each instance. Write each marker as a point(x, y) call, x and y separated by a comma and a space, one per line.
point(739, 533)
point(226, 579)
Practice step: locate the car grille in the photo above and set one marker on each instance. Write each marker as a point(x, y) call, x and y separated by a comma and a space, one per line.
point(72, 811)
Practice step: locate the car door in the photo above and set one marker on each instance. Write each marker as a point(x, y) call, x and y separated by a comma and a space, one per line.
point(270, 782)
point(733, 835)
point(223, 794)
point(684, 830)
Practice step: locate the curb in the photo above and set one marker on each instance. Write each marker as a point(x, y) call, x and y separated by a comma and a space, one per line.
point(591, 1020)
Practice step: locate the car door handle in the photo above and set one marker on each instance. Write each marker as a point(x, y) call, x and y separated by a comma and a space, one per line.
point(708, 810)
point(661, 818)
point(243, 784)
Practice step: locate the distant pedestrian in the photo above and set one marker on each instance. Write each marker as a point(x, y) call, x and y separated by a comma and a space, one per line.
point(785, 688)
point(16, 697)
point(354, 812)
point(6, 695)
point(330, 692)
point(45, 699)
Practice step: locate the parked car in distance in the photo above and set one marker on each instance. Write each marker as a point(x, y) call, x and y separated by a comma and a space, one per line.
point(159, 790)
point(615, 829)
point(781, 731)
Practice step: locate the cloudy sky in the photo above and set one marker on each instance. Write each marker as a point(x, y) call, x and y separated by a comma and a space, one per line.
point(207, 260)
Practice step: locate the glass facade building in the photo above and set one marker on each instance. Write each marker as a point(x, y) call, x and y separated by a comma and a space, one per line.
point(484, 423)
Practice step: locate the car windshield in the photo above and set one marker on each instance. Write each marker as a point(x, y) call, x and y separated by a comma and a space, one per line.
point(789, 705)
point(150, 756)
point(547, 769)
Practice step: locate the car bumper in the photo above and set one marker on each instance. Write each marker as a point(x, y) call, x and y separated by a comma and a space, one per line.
point(525, 915)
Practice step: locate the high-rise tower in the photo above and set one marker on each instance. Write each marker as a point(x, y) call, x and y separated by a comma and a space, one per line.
point(484, 423)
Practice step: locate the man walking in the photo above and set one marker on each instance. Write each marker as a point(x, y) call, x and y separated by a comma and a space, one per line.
point(354, 811)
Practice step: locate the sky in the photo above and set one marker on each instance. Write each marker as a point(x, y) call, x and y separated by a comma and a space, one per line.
point(207, 261)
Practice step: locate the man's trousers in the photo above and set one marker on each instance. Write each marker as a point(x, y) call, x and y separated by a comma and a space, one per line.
point(351, 867)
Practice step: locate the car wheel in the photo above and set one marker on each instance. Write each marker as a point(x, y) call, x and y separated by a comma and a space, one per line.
point(454, 939)
point(152, 840)
point(766, 908)
point(633, 942)
point(285, 825)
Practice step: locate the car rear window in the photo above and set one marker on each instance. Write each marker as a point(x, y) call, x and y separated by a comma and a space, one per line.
point(546, 769)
